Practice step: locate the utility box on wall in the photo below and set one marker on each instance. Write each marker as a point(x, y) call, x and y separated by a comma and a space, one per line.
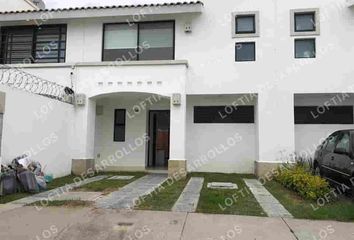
point(176, 99)
point(80, 99)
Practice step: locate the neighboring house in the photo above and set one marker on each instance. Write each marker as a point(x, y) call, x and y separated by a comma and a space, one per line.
point(14, 5)
point(216, 86)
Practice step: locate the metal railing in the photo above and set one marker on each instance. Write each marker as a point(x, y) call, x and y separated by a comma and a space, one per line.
point(19, 79)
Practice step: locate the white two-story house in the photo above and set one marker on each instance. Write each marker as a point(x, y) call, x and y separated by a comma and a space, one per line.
point(227, 86)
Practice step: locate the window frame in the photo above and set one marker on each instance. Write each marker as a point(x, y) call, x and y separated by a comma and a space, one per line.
point(120, 124)
point(138, 37)
point(254, 52)
point(305, 39)
point(246, 16)
point(294, 12)
point(340, 138)
point(335, 135)
point(34, 29)
point(234, 32)
point(302, 122)
point(221, 110)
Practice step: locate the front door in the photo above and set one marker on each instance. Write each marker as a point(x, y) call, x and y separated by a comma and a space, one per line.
point(159, 135)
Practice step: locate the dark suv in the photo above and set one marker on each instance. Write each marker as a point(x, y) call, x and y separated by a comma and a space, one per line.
point(334, 158)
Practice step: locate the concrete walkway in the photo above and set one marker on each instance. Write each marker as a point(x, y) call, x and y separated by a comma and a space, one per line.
point(188, 200)
point(128, 196)
point(270, 204)
point(112, 224)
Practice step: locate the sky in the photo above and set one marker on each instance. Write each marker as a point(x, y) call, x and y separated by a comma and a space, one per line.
point(80, 3)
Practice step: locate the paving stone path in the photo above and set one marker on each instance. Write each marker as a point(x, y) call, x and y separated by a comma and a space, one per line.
point(128, 196)
point(268, 202)
point(188, 201)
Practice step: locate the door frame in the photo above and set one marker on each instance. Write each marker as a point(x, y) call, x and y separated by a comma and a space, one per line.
point(150, 141)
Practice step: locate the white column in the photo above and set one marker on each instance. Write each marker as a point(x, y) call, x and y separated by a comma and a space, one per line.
point(178, 130)
point(276, 128)
point(177, 165)
point(84, 142)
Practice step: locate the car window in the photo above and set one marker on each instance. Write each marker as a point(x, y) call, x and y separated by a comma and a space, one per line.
point(331, 143)
point(344, 142)
point(324, 144)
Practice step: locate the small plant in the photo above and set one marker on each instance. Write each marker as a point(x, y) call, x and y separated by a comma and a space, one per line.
point(299, 179)
point(305, 162)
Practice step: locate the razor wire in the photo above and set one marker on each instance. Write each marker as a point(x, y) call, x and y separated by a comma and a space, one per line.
point(19, 79)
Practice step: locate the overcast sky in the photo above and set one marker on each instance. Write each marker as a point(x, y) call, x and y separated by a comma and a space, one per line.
point(80, 3)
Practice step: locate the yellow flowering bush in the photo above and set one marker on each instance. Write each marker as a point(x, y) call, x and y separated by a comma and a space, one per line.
point(298, 179)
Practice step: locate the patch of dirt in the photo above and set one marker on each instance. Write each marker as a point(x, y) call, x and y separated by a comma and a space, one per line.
point(109, 190)
point(77, 203)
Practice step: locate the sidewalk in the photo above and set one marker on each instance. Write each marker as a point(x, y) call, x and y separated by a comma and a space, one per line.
point(102, 224)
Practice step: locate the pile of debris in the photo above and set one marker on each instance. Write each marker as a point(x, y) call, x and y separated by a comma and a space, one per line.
point(22, 175)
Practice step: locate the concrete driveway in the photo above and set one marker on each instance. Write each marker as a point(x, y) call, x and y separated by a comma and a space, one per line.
point(99, 224)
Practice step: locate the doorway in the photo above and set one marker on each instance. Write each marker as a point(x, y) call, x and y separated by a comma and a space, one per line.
point(159, 139)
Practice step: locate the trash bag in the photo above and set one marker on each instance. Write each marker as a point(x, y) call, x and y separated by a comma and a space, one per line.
point(23, 160)
point(36, 168)
point(8, 183)
point(28, 181)
point(48, 178)
point(41, 183)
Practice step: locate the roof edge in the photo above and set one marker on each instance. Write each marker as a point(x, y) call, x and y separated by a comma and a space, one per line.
point(38, 10)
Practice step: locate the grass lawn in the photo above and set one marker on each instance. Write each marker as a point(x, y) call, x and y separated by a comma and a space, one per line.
point(340, 210)
point(107, 186)
point(64, 203)
point(239, 201)
point(104, 185)
point(164, 199)
point(58, 182)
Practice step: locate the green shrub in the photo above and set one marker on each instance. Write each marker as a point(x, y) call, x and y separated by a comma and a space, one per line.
point(298, 179)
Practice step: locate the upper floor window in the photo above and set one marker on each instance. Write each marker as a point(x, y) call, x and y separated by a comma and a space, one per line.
point(33, 44)
point(305, 22)
point(305, 48)
point(245, 24)
point(139, 41)
point(245, 52)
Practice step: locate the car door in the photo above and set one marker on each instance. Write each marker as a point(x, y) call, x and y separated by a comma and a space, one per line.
point(343, 158)
point(328, 156)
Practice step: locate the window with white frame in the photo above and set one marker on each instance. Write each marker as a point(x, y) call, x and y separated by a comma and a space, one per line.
point(305, 22)
point(139, 41)
point(305, 48)
point(245, 52)
point(245, 24)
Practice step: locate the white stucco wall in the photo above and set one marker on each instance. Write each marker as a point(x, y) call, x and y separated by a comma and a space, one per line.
point(216, 141)
point(39, 127)
point(309, 136)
